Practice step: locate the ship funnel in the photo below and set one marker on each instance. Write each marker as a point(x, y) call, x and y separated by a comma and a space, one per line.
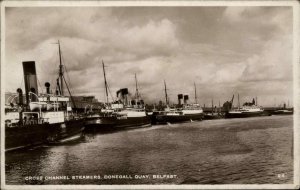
point(20, 94)
point(185, 98)
point(122, 93)
point(180, 97)
point(30, 80)
point(132, 102)
point(47, 85)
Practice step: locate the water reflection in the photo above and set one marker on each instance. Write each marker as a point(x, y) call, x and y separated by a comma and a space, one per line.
point(249, 151)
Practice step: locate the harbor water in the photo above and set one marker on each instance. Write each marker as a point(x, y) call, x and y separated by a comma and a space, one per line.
point(255, 150)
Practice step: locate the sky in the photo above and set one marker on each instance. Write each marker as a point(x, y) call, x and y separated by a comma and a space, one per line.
point(223, 50)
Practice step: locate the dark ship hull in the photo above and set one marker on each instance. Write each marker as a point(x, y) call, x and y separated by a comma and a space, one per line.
point(157, 118)
point(68, 131)
point(107, 123)
point(212, 116)
point(283, 112)
point(23, 136)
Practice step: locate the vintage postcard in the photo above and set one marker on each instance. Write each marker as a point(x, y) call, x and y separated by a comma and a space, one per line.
point(150, 94)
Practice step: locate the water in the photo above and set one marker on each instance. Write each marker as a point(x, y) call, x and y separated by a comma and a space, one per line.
point(234, 151)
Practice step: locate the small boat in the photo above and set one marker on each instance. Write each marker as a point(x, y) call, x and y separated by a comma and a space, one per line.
point(36, 106)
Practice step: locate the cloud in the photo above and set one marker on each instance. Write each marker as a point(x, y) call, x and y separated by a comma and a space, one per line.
point(223, 50)
point(273, 63)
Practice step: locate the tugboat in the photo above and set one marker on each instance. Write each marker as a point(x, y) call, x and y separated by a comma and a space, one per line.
point(249, 109)
point(120, 114)
point(182, 113)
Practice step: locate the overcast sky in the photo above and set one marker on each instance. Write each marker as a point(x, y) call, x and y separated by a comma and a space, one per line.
point(224, 50)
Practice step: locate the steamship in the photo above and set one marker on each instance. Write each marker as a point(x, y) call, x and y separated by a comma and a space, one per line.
point(182, 113)
point(44, 118)
point(249, 109)
point(283, 112)
point(122, 113)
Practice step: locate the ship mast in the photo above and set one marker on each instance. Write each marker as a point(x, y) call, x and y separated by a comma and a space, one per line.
point(136, 88)
point(231, 102)
point(256, 101)
point(167, 101)
point(195, 94)
point(61, 73)
point(62, 78)
point(212, 105)
point(238, 101)
point(105, 82)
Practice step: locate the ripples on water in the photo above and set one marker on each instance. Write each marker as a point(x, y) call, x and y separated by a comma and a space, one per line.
point(233, 151)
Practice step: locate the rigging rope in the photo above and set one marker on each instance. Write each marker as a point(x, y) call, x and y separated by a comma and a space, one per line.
point(64, 65)
point(68, 77)
point(69, 93)
point(66, 71)
point(40, 85)
point(110, 93)
point(21, 83)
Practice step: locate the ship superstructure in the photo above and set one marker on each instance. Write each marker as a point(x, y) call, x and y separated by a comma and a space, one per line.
point(124, 112)
point(180, 113)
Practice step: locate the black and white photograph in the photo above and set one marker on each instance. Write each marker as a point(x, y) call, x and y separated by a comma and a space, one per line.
point(149, 94)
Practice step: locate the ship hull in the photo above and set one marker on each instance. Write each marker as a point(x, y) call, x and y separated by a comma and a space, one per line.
point(245, 115)
point(211, 117)
point(163, 119)
point(25, 136)
point(19, 137)
point(107, 123)
point(67, 131)
point(283, 112)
